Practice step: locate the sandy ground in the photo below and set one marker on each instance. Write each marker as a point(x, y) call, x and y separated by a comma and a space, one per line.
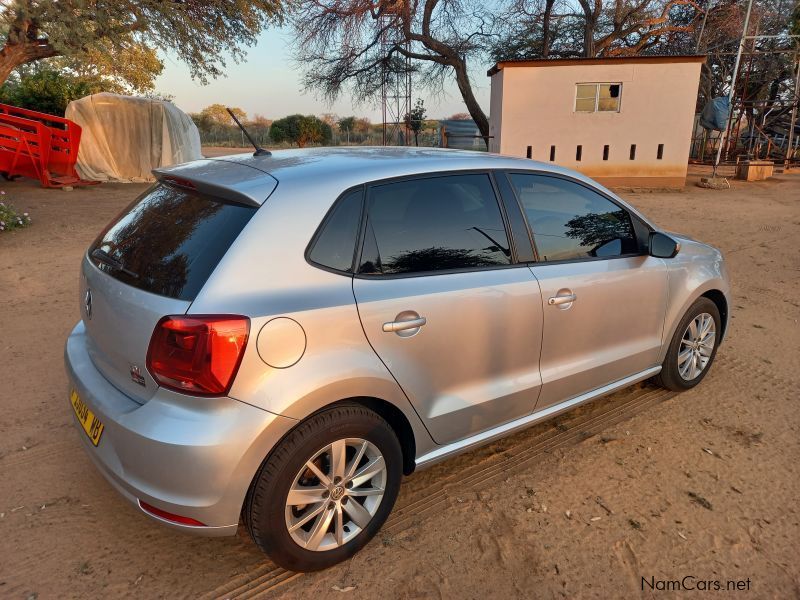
point(644, 484)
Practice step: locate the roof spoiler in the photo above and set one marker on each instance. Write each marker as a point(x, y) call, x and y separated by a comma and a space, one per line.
point(231, 182)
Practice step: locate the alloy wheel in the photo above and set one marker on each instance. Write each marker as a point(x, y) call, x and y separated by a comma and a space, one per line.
point(696, 347)
point(336, 494)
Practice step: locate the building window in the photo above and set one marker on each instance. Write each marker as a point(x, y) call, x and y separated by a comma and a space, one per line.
point(597, 97)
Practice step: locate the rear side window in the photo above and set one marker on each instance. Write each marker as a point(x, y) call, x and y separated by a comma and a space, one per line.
point(434, 224)
point(169, 241)
point(570, 221)
point(335, 243)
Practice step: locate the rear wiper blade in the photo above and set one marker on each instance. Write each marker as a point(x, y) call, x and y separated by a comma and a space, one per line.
point(108, 260)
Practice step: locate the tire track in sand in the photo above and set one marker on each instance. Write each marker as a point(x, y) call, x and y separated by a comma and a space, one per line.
point(516, 452)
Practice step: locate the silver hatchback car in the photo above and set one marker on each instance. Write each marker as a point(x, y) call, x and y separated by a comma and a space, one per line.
point(282, 337)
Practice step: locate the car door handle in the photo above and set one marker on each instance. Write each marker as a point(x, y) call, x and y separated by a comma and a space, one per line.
point(565, 299)
point(395, 326)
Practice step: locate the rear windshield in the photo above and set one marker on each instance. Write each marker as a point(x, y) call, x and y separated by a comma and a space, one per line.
point(169, 241)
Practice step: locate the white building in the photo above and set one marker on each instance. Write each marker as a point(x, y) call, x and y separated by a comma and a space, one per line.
point(621, 120)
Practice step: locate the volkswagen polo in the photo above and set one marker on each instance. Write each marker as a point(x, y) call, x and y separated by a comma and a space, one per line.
point(280, 338)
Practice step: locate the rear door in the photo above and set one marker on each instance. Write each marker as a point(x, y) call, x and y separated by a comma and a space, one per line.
point(604, 297)
point(443, 304)
point(150, 262)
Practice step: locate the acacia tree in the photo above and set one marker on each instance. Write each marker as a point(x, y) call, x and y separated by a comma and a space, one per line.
point(630, 28)
point(590, 28)
point(765, 90)
point(218, 113)
point(94, 31)
point(769, 61)
point(345, 42)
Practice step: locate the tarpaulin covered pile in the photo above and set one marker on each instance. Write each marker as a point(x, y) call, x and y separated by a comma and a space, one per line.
point(125, 137)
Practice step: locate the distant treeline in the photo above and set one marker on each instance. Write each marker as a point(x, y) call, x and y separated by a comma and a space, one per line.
point(218, 129)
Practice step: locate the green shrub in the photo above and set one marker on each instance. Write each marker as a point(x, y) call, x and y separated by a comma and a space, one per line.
point(11, 219)
point(301, 130)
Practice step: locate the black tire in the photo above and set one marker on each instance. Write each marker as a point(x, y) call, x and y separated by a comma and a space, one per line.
point(265, 505)
point(670, 377)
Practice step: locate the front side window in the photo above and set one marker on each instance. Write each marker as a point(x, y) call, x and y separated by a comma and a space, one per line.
point(570, 221)
point(434, 224)
point(597, 97)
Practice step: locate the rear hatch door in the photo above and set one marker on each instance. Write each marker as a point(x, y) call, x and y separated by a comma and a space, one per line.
point(149, 263)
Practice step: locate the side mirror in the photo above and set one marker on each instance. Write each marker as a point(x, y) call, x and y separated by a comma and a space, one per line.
point(662, 246)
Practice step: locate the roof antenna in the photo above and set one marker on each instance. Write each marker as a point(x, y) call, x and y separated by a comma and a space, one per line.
point(259, 150)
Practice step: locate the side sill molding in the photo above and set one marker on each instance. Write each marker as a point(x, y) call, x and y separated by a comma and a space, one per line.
point(489, 435)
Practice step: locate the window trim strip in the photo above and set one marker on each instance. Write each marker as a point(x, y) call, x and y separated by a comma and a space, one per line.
point(501, 183)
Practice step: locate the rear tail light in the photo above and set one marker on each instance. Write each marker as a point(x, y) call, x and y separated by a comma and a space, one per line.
point(198, 355)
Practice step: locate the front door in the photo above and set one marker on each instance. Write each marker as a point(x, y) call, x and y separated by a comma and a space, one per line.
point(456, 323)
point(604, 297)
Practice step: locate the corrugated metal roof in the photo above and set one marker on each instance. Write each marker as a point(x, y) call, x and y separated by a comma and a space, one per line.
point(556, 62)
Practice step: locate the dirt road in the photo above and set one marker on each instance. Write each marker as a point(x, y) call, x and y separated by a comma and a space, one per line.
point(644, 484)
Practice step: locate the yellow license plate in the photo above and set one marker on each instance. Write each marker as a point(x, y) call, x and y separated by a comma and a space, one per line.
point(90, 423)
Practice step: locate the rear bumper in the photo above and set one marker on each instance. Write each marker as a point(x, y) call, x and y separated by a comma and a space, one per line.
point(193, 457)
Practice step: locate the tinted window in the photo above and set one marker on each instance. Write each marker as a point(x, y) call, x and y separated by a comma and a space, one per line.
point(336, 242)
point(570, 221)
point(434, 224)
point(169, 241)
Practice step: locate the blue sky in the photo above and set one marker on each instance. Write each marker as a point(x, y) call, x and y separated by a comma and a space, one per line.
point(268, 83)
